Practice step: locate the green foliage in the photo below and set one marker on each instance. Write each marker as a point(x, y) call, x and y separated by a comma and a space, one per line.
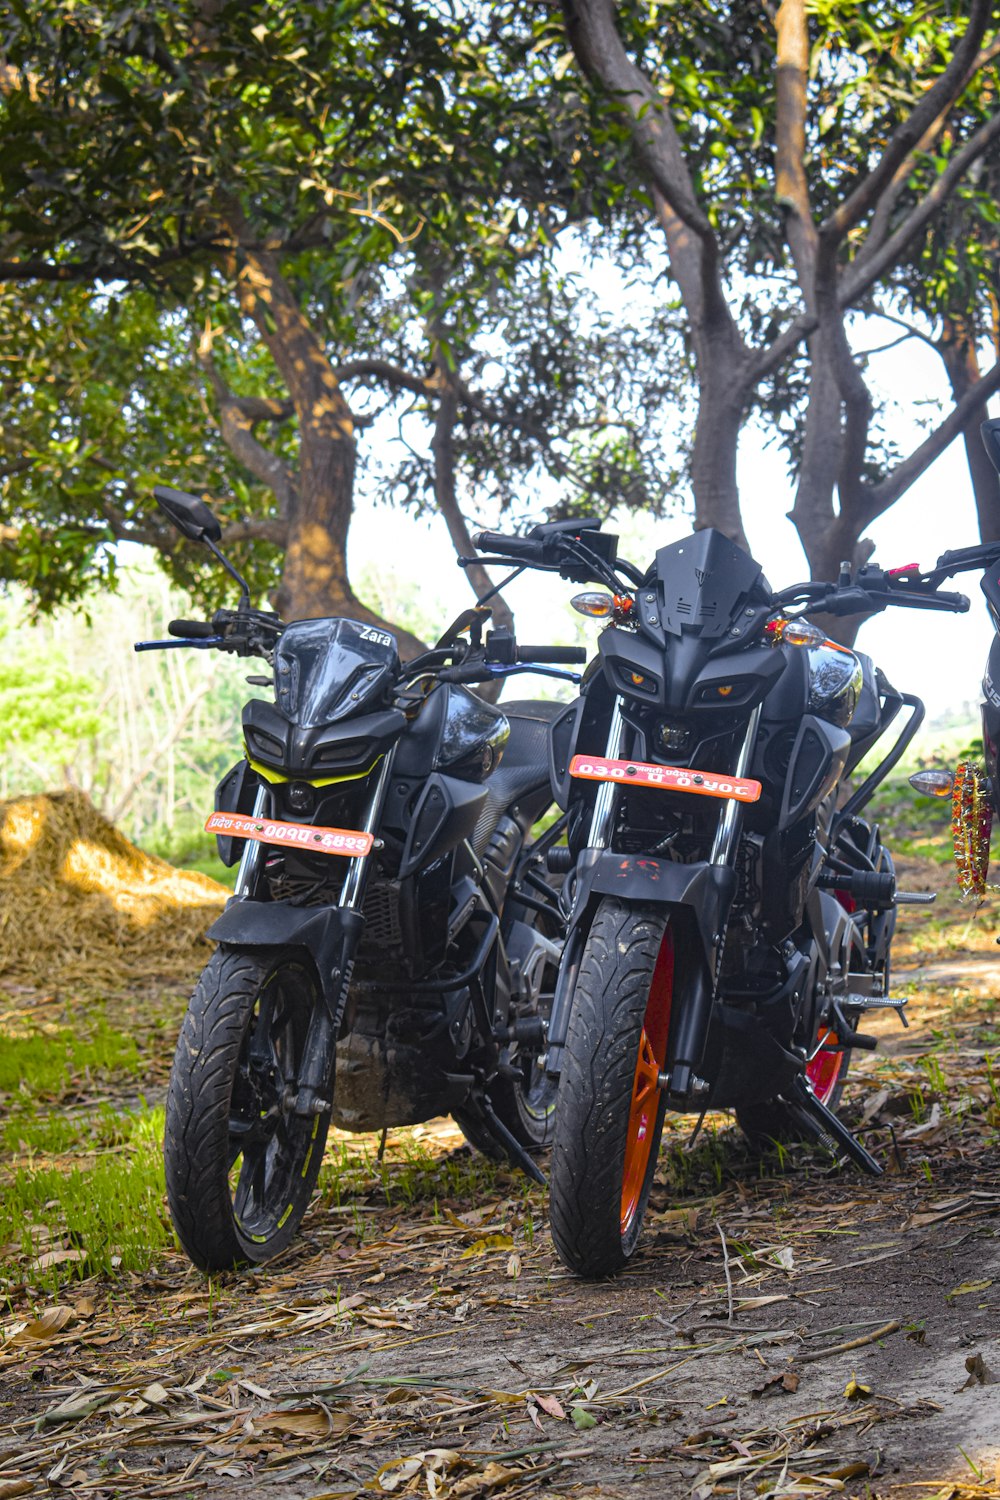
point(45, 709)
point(110, 1213)
point(44, 1065)
point(412, 167)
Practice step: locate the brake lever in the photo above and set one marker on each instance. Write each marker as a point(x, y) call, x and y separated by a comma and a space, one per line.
point(205, 643)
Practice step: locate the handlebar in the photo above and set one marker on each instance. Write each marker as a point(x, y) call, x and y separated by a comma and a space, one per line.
point(552, 653)
point(518, 547)
point(188, 630)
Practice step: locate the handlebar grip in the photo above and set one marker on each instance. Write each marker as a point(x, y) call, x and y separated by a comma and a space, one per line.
point(475, 671)
point(551, 653)
point(191, 630)
point(511, 546)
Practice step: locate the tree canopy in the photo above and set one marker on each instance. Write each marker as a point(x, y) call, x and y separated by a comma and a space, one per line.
point(797, 157)
point(330, 211)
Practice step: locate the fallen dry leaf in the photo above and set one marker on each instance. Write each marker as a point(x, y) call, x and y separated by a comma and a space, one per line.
point(493, 1477)
point(979, 1372)
point(46, 1326)
point(488, 1243)
point(966, 1287)
point(788, 1380)
point(304, 1421)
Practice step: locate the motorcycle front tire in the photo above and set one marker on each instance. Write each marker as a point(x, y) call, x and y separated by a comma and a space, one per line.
point(240, 1164)
point(610, 1109)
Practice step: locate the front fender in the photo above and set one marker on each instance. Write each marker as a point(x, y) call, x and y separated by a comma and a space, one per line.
point(699, 897)
point(704, 891)
point(328, 934)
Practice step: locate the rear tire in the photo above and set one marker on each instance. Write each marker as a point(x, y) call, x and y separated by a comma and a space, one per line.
point(240, 1166)
point(611, 1110)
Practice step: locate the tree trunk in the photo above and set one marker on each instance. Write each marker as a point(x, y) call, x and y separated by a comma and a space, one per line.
point(958, 353)
point(315, 582)
point(713, 459)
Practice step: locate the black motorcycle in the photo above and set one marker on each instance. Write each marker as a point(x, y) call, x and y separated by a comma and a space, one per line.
point(391, 949)
point(730, 912)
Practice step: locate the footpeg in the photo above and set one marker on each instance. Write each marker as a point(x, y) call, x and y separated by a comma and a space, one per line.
point(915, 898)
point(823, 1123)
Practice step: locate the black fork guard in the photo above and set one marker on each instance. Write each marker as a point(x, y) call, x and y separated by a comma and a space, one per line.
point(330, 936)
point(701, 896)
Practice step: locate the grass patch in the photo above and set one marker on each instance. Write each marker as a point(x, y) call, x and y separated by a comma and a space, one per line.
point(409, 1173)
point(48, 1064)
point(107, 1216)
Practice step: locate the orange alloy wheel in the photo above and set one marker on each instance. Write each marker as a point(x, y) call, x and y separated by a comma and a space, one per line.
point(824, 1067)
point(652, 1059)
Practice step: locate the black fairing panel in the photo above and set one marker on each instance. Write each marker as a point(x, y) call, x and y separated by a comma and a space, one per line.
point(323, 751)
point(445, 813)
point(816, 763)
point(454, 731)
point(473, 736)
point(704, 581)
point(562, 746)
point(235, 793)
point(326, 669)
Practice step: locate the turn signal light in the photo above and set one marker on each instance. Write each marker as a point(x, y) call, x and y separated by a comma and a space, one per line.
point(597, 606)
point(933, 783)
point(794, 633)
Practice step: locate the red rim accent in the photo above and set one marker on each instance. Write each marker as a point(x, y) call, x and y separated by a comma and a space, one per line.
point(649, 1063)
point(825, 1066)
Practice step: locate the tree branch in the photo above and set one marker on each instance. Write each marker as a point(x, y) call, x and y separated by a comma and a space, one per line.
point(384, 370)
point(594, 37)
point(865, 271)
point(882, 495)
point(236, 424)
point(792, 187)
point(867, 268)
point(939, 97)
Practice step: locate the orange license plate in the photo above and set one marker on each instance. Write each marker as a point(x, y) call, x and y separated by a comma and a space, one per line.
point(304, 836)
point(668, 778)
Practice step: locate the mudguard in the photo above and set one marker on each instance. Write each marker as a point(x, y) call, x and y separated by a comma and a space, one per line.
point(700, 896)
point(327, 933)
point(705, 890)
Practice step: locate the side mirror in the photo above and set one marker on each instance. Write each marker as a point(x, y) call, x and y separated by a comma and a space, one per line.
point(190, 515)
point(989, 431)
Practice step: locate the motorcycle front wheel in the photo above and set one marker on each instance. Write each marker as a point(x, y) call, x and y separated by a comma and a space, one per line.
point(611, 1108)
point(240, 1165)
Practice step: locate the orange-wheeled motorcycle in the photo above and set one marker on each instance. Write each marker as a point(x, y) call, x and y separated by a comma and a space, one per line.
point(730, 913)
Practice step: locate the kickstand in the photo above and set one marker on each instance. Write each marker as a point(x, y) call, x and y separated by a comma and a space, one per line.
point(503, 1137)
point(697, 1128)
point(824, 1123)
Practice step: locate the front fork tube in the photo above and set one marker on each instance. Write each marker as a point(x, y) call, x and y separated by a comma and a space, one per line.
point(316, 1073)
point(252, 858)
point(689, 1034)
point(602, 822)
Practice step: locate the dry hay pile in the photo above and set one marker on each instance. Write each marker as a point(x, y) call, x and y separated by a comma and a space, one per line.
point(81, 905)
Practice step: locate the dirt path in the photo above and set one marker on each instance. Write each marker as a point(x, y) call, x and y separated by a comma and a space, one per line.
point(433, 1344)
